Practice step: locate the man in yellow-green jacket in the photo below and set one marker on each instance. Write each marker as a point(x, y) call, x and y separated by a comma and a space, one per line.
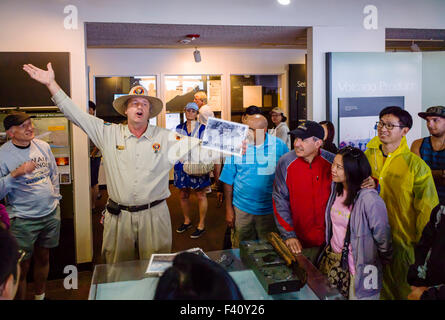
point(407, 187)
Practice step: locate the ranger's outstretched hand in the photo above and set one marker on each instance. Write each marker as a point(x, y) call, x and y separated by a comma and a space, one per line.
point(46, 77)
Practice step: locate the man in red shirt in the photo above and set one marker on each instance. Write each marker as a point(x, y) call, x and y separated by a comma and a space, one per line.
point(301, 190)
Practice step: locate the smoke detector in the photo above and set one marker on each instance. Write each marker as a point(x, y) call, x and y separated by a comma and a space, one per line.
point(192, 36)
point(189, 38)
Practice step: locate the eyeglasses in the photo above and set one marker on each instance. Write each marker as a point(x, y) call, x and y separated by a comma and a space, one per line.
point(354, 152)
point(389, 126)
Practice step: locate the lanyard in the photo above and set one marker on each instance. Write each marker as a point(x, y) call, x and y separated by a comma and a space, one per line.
point(195, 129)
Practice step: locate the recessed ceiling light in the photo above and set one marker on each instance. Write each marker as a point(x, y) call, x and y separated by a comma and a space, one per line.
point(284, 2)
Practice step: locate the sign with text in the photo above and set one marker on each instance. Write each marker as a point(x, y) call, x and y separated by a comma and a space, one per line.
point(358, 117)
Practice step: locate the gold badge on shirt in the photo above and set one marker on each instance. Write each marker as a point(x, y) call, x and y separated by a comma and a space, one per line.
point(120, 147)
point(178, 137)
point(156, 147)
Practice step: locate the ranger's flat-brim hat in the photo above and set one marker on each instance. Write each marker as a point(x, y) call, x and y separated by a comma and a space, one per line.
point(437, 111)
point(138, 92)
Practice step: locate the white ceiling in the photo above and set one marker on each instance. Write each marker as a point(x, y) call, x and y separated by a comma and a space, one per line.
point(139, 35)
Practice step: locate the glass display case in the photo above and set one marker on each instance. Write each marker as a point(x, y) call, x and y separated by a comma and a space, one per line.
point(129, 281)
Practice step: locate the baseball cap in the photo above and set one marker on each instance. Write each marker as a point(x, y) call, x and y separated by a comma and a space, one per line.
point(307, 129)
point(277, 110)
point(15, 118)
point(192, 105)
point(438, 111)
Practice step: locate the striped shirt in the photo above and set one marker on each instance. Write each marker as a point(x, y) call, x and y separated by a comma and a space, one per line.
point(435, 160)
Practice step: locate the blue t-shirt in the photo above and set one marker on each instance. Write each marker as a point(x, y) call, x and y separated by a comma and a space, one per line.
point(252, 175)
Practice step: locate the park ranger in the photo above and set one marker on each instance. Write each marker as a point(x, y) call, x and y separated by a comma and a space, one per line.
point(138, 158)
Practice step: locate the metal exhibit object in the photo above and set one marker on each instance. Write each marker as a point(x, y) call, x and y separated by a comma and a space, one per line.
point(275, 272)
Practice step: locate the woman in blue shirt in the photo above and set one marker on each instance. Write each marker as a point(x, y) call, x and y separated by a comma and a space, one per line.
point(184, 182)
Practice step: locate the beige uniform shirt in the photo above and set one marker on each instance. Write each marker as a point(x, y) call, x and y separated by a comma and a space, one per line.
point(137, 170)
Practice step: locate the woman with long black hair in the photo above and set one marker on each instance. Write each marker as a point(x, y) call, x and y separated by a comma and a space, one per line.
point(358, 237)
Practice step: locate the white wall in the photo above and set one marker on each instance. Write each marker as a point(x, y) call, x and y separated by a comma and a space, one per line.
point(223, 61)
point(433, 82)
point(369, 74)
point(333, 39)
point(38, 25)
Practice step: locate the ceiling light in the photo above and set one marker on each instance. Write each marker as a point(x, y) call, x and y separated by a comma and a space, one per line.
point(284, 2)
point(197, 55)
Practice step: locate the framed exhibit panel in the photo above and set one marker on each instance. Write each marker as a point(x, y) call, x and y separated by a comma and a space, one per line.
point(357, 118)
point(54, 129)
point(374, 80)
point(180, 90)
point(263, 91)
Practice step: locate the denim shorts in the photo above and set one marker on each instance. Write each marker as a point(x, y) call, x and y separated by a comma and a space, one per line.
point(43, 232)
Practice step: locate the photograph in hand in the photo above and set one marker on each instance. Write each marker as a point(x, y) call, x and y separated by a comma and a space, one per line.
point(225, 136)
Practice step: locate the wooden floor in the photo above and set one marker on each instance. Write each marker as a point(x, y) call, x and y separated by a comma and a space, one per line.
point(211, 240)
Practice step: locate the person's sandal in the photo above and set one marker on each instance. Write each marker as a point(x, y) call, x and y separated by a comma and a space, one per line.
point(197, 233)
point(183, 227)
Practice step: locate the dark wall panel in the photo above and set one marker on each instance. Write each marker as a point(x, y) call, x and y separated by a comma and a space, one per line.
point(17, 89)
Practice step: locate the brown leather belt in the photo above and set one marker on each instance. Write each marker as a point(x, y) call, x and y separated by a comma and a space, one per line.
point(136, 208)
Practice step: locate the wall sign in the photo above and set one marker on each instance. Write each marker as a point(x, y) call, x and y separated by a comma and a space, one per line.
point(357, 118)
